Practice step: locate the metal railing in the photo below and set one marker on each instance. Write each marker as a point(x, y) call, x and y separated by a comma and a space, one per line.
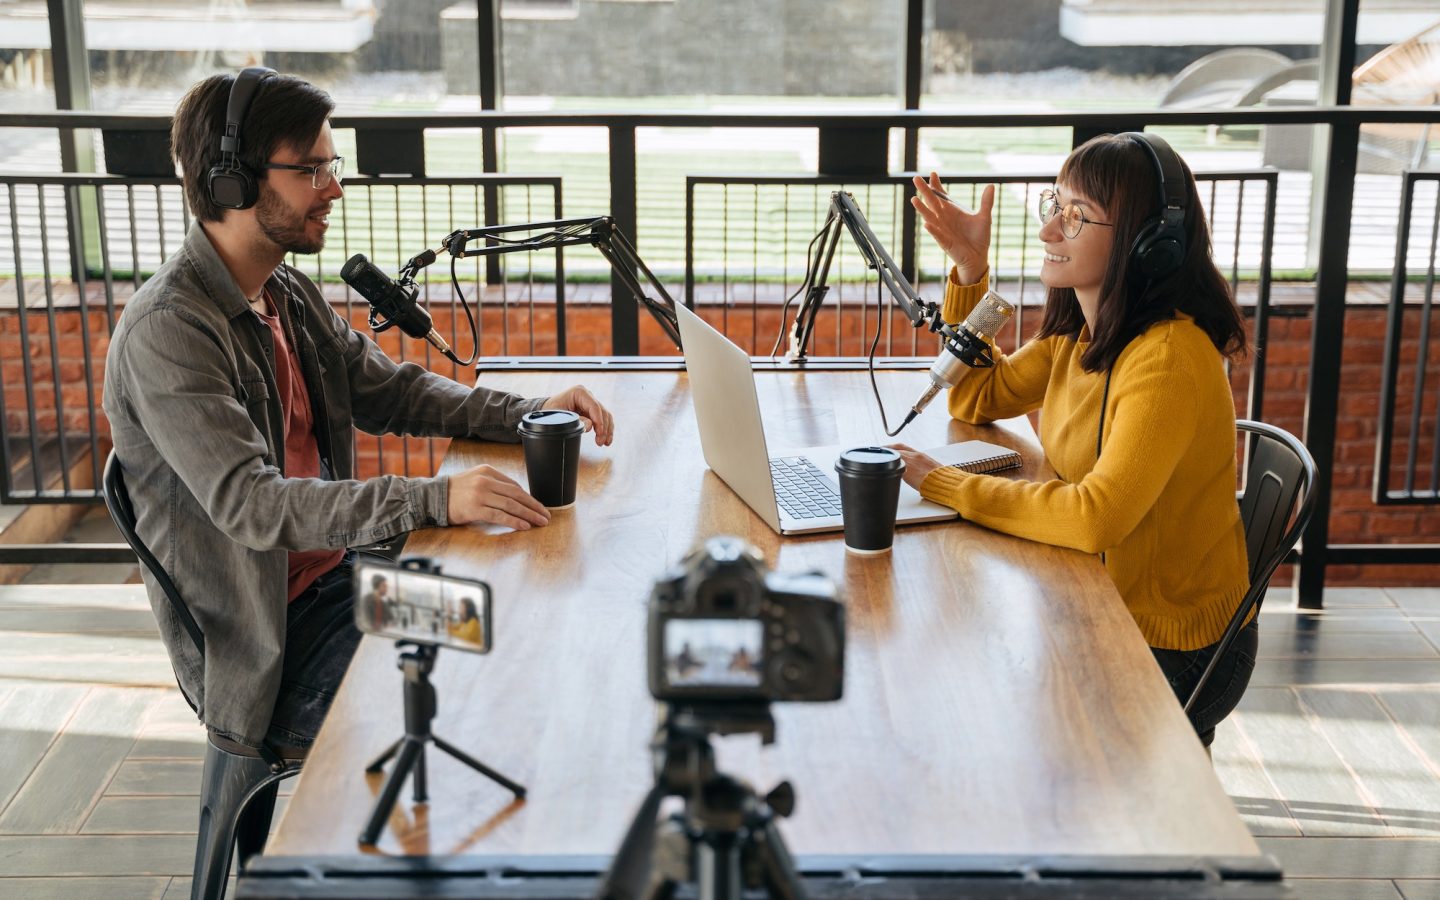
point(853, 149)
point(69, 282)
point(1419, 475)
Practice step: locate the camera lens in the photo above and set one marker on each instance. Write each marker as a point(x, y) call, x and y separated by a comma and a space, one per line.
point(727, 596)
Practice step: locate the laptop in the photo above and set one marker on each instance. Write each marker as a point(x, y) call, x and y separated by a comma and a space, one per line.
point(794, 491)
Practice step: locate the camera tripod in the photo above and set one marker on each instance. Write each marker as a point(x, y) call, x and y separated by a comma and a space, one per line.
point(726, 839)
point(420, 706)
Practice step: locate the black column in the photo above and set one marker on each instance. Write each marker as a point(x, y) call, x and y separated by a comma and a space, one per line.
point(1336, 161)
point(624, 307)
point(490, 61)
point(914, 81)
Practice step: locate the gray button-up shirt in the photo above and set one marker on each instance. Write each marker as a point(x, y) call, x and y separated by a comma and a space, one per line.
point(197, 423)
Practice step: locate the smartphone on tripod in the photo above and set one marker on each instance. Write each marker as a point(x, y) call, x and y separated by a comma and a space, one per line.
point(411, 604)
point(416, 605)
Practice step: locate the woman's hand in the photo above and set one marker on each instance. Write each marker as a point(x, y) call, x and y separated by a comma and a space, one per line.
point(962, 234)
point(917, 464)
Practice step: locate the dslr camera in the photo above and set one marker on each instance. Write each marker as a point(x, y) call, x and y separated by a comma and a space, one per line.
point(724, 628)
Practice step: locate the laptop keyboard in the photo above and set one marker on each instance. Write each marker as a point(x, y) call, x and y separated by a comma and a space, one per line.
point(802, 489)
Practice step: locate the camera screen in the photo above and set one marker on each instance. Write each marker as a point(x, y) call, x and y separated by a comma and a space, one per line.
point(435, 609)
point(713, 652)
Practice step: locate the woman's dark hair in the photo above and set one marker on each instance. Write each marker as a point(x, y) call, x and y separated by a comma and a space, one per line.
point(468, 610)
point(1119, 174)
point(285, 112)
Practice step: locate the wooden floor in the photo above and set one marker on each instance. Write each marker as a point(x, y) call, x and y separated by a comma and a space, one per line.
point(1333, 759)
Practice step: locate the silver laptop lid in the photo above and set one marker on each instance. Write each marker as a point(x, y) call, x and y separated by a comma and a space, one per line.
point(727, 410)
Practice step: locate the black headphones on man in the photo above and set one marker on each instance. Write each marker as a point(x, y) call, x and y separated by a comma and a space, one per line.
point(1160, 245)
point(231, 184)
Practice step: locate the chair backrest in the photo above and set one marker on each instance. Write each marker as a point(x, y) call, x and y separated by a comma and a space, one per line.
point(117, 500)
point(1280, 472)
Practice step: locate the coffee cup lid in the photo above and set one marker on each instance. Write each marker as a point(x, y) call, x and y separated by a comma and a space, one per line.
point(870, 461)
point(548, 422)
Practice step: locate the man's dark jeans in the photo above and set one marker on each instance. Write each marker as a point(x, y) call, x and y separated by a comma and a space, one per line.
point(320, 639)
point(1222, 693)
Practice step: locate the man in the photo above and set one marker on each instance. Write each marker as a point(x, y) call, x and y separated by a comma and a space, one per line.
point(378, 600)
point(232, 387)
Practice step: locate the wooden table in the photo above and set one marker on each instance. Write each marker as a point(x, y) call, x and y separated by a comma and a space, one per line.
point(998, 698)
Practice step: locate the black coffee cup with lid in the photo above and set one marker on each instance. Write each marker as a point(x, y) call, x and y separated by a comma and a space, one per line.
point(551, 438)
point(869, 495)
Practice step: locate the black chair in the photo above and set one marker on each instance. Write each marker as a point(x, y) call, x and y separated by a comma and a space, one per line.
point(1281, 473)
point(239, 785)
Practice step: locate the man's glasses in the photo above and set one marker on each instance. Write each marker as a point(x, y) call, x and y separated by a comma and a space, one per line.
point(1072, 218)
point(321, 174)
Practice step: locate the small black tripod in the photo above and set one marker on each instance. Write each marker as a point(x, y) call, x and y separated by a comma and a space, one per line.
point(726, 839)
point(420, 707)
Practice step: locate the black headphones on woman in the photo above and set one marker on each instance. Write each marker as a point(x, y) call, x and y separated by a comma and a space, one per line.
point(231, 184)
point(1160, 245)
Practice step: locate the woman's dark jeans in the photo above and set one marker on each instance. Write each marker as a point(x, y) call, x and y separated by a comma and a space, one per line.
point(1227, 683)
point(320, 639)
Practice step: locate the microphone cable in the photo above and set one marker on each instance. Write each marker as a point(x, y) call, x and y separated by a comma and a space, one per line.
point(557, 233)
point(875, 385)
point(812, 262)
point(465, 305)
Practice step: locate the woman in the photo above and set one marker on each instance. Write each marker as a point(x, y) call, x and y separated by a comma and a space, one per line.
point(1137, 418)
point(468, 628)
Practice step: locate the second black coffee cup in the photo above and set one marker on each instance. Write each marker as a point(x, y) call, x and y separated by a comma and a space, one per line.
point(551, 438)
point(869, 495)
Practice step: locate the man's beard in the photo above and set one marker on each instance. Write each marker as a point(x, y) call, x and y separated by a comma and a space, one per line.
point(283, 226)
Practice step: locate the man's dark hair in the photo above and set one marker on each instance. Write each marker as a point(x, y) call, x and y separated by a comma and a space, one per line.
point(285, 112)
point(1117, 173)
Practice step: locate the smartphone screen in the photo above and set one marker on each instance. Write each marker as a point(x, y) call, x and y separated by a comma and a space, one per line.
point(418, 606)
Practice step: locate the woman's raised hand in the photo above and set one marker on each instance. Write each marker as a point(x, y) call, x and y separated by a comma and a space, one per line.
point(962, 234)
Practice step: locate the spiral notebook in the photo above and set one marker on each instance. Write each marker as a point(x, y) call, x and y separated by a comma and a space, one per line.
point(978, 457)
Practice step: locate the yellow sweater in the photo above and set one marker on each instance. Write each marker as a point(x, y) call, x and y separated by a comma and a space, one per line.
point(1160, 501)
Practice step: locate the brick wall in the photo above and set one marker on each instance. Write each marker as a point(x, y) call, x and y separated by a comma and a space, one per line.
point(1354, 517)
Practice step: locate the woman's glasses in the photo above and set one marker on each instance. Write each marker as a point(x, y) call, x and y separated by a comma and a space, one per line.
point(321, 174)
point(1072, 218)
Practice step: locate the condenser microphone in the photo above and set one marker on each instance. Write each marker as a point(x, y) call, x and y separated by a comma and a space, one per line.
point(969, 349)
point(393, 301)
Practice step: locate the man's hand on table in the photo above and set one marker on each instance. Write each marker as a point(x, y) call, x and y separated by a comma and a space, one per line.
point(596, 417)
point(485, 494)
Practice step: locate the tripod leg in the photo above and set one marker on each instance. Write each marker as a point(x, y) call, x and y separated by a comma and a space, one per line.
point(782, 879)
point(517, 789)
point(409, 752)
point(673, 861)
point(418, 783)
point(385, 757)
point(717, 868)
point(630, 869)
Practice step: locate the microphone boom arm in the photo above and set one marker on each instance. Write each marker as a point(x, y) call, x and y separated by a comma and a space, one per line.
point(600, 232)
point(844, 213)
